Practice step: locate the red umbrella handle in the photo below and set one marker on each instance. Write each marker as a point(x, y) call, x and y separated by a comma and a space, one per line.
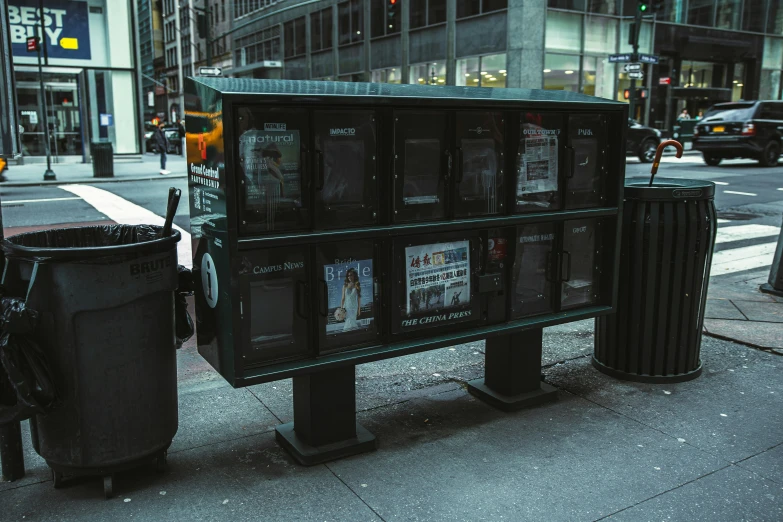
point(659, 151)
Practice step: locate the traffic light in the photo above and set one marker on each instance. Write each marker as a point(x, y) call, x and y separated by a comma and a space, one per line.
point(392, 15)
point(640, 94)
point(644, 5)
point(201, 25)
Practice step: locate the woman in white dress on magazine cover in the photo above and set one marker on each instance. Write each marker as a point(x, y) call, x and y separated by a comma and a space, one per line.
point(352, 299)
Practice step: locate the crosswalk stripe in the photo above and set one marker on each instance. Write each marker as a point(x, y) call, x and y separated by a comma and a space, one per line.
point(739, 193)
point(744, 258)
point(126, 213)
point(723, 220)
point(9, 202)
point(738, 233)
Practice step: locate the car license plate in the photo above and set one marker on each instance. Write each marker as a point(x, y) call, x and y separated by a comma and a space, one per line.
point(719, 128)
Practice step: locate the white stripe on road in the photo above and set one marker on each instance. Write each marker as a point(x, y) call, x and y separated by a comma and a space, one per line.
point(738, 233)
point(739, 193)
point(780, 189)
point(20, 201)
point(720, 182)
point(746, 258)
point(724, 220)
point(126, 213)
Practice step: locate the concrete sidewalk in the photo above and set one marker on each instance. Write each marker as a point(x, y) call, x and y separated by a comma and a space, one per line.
point(709, 449)
point(147, 168)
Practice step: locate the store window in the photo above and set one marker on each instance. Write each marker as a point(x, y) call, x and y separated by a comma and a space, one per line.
point(390, 75)
point(729, 14)
point(738, 84)
point(467, 8)
point(482, 71)
point(428, 73)
point(700, 12)
point(321, 30)
point(698, 74)
point(295, 37)
point(258, 46)
point(608, 7)
point(385, 16)
point(563, 31)
point(600, 35)
point(427, 12)
point(561, 72)
point(350, 24)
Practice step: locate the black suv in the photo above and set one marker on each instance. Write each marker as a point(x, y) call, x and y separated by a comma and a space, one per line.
point(642, 141)
point(746, 129)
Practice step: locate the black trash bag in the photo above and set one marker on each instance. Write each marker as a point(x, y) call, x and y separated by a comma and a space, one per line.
point(184, 323)
point(26, 385)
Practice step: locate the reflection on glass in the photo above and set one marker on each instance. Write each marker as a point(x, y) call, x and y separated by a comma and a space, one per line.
point(585, 163)
point(422, 171)
point(580, 283)
point(530, 286)
point(428, 73)
point(482, 71)
point(270, 160)
point(344, 163)
point(561, 72)
point(479, 172)
point(272, 306)
point(700, 12)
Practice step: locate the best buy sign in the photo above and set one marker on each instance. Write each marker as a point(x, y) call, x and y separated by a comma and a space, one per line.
point(66, 27)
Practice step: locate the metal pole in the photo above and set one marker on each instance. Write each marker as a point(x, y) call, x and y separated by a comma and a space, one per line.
point(49, 174)
point(11, 453)
point(209, 42)
point(634, 59)
point(775, 284)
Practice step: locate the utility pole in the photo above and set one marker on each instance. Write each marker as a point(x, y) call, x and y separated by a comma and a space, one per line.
point(49, 174)
point(636, 28)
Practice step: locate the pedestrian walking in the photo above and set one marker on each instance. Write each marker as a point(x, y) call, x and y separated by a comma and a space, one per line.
point(181, 129)
point(163, 145)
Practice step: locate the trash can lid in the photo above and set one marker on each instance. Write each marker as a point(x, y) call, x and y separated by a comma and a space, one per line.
point(88, 243)
point(669, 189)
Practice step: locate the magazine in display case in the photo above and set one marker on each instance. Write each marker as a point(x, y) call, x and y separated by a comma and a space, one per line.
point(531, 286)
point(350, 290)
point(538, 161)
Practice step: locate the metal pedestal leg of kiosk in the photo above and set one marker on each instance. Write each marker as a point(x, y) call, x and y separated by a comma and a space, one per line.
point(325, 426)
point(512, 378)
point(11, 452)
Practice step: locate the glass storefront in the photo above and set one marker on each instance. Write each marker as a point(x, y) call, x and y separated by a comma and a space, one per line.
point(428, 73)
point(561, 72)
point(390, 75)
point(482, 71)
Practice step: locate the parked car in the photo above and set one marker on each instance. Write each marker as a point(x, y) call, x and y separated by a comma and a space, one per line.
point(746, 129)
point(174, 141)
point(642, 141)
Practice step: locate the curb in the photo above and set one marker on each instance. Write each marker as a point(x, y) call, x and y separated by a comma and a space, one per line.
point(84, 181)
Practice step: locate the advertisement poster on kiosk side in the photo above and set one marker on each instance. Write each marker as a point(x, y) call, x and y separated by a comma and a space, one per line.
point(437, 276)
point(350, 296)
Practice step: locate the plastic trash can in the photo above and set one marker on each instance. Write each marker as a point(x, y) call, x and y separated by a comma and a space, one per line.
point(105, 295)
point(102, 159)
point(668, 234)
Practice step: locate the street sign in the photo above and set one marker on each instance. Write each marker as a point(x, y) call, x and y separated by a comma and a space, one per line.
point(648, 58)
point(210, 71)
point(272, 63)
point(664, 81)
point(630, 67)
point(636, 75)
point(615, 58)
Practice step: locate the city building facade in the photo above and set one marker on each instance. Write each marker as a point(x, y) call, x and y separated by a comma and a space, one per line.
point(151, 56)
point(709, 50)
point(90, 77)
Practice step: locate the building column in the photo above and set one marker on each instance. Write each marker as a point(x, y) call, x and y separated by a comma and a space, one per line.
point(367, 48)
point(405, 42)
point(335, 43)
point(525, 45)
point(451, 42)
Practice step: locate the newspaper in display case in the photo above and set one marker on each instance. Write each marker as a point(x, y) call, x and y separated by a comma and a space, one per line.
point(538, 169)
point(437, 277)
point(270, 159)
point(350, 295)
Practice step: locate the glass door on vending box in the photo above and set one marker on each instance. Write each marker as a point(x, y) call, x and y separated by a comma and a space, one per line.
point(539, 157)
point(436, 287)
point(348, 302)
point(344, 168)
point(479, 163)
point(272, 169)
point(531, 282)
point(422, 165)
point(586, 161)
point(274, 304)
point(581, 266)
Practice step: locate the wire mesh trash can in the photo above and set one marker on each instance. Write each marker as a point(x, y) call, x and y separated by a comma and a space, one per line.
point(102, 159)
point(105, 295)
point(668, 234)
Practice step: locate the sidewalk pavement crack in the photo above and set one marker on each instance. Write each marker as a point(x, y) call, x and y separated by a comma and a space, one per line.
point(739, 310)
point(662, 493)
point(739, 462)
point(24, 485)
point(265, 406)
point(354, 492)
